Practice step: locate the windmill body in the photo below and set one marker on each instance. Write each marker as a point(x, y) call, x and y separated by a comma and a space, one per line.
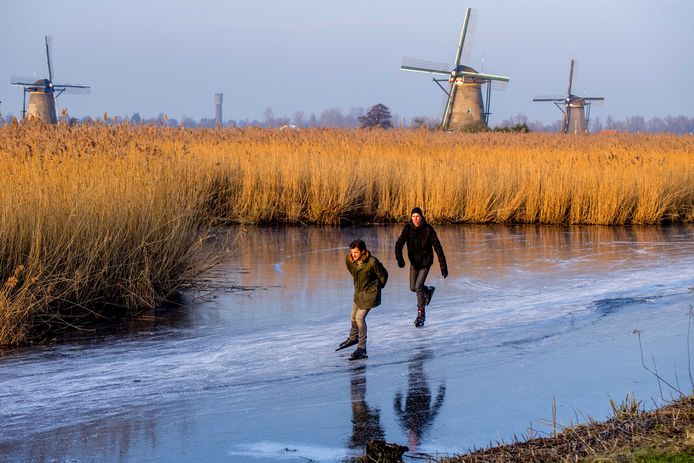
point(574, 120)
point(43, 92)
point(41, 102)
point(465, 107)
point(576, 109)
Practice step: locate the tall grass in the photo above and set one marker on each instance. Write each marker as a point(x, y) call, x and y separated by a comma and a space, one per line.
point(319, 176)
point(101, 219)
point(93, 223)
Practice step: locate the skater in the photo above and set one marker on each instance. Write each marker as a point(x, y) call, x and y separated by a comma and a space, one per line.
point(370, 276)
point(420, 238)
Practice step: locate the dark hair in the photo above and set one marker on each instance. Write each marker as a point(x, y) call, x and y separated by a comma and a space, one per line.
point(359, 244)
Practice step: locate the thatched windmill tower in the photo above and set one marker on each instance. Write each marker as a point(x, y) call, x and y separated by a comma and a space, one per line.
point(576, 109)
point(465, 108)
point(43, 92)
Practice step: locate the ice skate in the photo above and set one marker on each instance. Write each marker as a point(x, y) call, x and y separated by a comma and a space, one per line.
point(359, 353)
point(421, 316)
point(347, 343)
point(429, 294)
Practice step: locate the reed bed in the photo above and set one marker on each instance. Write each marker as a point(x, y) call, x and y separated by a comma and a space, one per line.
point(93, 226)
point(99, 217)
point(334, 176)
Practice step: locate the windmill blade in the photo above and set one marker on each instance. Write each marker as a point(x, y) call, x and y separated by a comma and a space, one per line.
point(593, 98)
point(420, 65)
point(544, 97)
point(70, 86)
point(571, 76)
point(594, 101)
point(18, 80)
point(495, 84)
point(461, 43)
point(73, 89)
point(469, 36)
point(499, 85)
point(448, 108)
point(481, 76)
point(49, 46)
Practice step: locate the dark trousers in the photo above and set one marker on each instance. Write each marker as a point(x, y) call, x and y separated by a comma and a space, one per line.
point(417, 279)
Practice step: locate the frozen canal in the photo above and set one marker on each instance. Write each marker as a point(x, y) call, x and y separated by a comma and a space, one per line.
point(528, 316)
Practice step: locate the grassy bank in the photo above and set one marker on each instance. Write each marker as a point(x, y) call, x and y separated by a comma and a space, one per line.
point(631, 436)
point(100, 220)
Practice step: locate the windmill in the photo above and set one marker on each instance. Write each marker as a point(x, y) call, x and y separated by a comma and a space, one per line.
point(464, 106)
point(576, 118)
point(43, 92)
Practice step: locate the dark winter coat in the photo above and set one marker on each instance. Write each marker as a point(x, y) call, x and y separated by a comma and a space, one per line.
point(421, 243)
point(370, 276)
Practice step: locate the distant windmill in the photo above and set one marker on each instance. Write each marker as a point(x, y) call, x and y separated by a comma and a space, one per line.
point(464, 107)
point(576, 118)
point(43, 92)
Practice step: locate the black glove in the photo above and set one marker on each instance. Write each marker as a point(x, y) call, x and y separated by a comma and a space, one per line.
point(401, 264)
point(444, 272)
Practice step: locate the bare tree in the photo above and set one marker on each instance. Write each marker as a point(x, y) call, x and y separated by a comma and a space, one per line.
point(298, 119)
point(377, 117)
point(332, 117)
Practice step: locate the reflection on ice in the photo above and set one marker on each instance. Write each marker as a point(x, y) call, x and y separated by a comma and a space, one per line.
point(417, 413)
point(366, 421)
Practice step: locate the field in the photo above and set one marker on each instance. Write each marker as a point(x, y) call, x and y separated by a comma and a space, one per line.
point(101, 221)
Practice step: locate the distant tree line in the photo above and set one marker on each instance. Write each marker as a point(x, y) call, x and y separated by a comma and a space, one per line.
point(633, 124)
point(379, 115)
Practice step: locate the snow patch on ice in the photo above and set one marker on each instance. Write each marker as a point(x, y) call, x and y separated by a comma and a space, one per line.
point(281, 451)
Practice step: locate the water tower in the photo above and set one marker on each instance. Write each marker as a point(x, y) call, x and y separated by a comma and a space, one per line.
point(218, 98)
point(43, 92)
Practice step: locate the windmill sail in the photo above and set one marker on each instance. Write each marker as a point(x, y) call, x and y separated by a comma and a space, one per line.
point(420, 65)
point(48, 58)
point(20, 80)
point(456, 69)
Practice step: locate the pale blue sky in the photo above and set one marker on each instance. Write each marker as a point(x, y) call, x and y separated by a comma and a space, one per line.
point(172, 56)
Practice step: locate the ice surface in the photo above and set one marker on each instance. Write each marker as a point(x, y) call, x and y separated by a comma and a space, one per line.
point(528, 316)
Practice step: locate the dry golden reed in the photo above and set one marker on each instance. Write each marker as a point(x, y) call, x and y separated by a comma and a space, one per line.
point(92, 224)
point(100, 216)
point(328, 176)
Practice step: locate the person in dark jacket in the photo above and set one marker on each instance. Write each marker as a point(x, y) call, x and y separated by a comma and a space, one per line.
point(370, 276)
point(421, 241)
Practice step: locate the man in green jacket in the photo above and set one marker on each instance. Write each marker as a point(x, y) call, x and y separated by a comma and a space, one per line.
point(370, 276)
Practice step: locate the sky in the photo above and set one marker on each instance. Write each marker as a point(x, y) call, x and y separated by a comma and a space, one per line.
point(171, 56)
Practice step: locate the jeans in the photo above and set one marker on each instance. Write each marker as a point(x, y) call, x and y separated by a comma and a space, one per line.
point(417, 278)
point(359, 325)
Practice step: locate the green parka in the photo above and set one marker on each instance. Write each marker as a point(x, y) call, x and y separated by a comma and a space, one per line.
point(370, 276)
